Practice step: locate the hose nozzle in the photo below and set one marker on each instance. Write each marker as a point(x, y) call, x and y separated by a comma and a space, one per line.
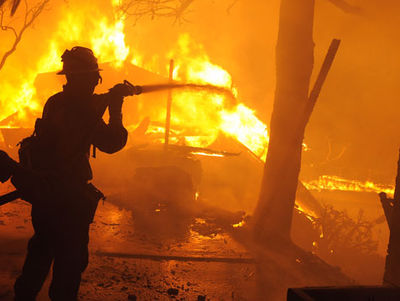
point(136, 90)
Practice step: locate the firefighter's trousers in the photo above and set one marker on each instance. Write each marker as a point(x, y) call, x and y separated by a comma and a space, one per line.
point(61, 238)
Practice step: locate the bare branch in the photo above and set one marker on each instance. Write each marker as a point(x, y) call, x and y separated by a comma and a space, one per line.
point(138, 9)
point(30, 16)
point(14, 5)
point(343, 233)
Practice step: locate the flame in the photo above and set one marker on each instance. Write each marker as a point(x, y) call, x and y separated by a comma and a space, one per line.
point(239, 224)
point(103, 32)
point(334, 183)
point(309, 214)
point(208, 154)
point(210, 114)
point(242, 124)
point(193, 64)
point(109, 44)
point(79, 24)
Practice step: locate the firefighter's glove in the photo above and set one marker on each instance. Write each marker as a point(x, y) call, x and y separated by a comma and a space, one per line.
point(125, 89)
point(117, 93)
point(122, 90)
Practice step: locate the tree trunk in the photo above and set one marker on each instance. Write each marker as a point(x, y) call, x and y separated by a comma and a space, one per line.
point(294, 64)
point(391, 208)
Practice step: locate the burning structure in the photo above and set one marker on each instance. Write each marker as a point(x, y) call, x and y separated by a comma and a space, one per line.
point(217, 144)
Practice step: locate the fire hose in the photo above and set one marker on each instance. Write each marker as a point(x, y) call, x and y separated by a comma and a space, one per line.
point(172, 86)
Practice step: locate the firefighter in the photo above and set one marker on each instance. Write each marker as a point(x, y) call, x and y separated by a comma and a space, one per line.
point(57, 174)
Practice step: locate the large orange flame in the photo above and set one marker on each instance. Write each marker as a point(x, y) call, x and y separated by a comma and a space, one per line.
point(210, 114)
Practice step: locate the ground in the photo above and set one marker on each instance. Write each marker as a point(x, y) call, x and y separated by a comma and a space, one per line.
point(120, 267)
point(161, 254)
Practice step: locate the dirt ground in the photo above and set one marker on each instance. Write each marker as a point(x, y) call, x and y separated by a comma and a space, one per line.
point(191, 254)
point(126, 262)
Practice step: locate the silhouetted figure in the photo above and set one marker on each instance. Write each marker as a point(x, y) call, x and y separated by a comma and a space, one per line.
point(54, 174)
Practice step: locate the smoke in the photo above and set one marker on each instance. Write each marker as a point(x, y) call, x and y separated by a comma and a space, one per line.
point(355, 120)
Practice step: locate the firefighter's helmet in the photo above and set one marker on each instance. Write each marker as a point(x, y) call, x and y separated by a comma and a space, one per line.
point(79, 60)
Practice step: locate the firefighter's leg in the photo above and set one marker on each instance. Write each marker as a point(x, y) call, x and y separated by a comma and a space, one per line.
point(71, 259)
point(37, 263)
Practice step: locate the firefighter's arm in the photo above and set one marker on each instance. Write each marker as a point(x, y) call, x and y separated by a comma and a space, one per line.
point(111, 137)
